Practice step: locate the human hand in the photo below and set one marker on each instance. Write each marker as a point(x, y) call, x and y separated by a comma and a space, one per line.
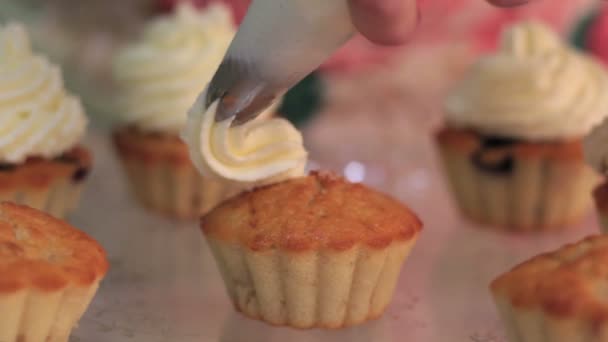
point(391, 22)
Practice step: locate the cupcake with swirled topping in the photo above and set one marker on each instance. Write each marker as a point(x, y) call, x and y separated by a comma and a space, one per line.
point(42, 163)
point(302, 251)
point(158, 78)
point(512, 144)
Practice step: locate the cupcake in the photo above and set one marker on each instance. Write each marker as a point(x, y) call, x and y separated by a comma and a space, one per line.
point(311, 251)
point(158, 79)
point(302, 251)
point(42, 164)
point(558, 296)
point(49, 273)
point(512, 143)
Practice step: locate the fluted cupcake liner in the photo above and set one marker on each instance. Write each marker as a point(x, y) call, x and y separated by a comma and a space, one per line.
point(43, 315)
point(58, 199)
point(325, 289)
point(523, 192)
point(163, 178)
point(174, 190)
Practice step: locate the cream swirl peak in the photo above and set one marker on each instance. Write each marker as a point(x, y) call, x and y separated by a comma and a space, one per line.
point(535, 87)
point(261, 151)
point(160, 76)
point(37, 116)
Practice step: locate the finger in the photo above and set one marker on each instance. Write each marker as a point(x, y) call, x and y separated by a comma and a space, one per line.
point(508, 3)
point(387, 22)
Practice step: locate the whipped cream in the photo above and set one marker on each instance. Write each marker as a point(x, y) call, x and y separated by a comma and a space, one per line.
point(535, 88)
point(37, 116)
point(160, 76)
point(259, 152)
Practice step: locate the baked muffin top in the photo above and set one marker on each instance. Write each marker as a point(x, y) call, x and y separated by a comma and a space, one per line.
point(42, 252)
point(313, 212)
point(570, 282)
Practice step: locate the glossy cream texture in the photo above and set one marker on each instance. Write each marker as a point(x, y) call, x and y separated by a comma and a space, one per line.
point(535, 88)
point(38, 117)
point(160, 76)
point(258, 152)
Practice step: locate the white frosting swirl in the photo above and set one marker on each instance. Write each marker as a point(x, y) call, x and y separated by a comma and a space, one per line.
point(160, 76)
point(37, 116)
point(534, 88)
point(261, 151)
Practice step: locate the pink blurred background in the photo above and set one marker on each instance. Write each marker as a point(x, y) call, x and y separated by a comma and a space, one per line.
point(473, 22)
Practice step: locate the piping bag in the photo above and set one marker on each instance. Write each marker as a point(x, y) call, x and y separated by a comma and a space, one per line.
point(277, 45)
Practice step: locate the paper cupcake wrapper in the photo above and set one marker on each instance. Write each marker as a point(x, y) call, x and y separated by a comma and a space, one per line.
point(58, 199)
point(174, 190)
point(162, 176)
point(325, 289)
point(37, 316)
point(533, 325)
point(539, 193)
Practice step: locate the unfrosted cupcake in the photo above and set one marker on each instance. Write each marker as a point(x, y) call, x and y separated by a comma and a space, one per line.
point(311, 251)
point(42, 164)
point(306, 252)
point(558, 296)
point(49, 273)
point(512, 144)
point(158, 79)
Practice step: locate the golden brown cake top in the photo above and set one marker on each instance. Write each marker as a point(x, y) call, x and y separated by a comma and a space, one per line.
point(40, 251)
point(151, 147)
point(570, 282)
point(317, 211)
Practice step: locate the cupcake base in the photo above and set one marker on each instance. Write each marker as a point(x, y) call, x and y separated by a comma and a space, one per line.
point(50, 185)
point(311, 289)
point(517, 185)
point(42, 315)
point(162, 176)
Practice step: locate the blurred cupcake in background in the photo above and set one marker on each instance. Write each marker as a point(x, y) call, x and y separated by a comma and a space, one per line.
point(596, 143)
point(512, 143)
point(596, 153)
point(42, 164)
point(158, 78)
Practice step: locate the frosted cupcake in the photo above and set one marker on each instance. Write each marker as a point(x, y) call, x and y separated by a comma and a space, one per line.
point(512, 144)
point(302, 251)
point(158, 78)
point(42, 164)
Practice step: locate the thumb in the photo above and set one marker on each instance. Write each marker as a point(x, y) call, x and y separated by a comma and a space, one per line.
point(508, 3)
point(387, 22)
